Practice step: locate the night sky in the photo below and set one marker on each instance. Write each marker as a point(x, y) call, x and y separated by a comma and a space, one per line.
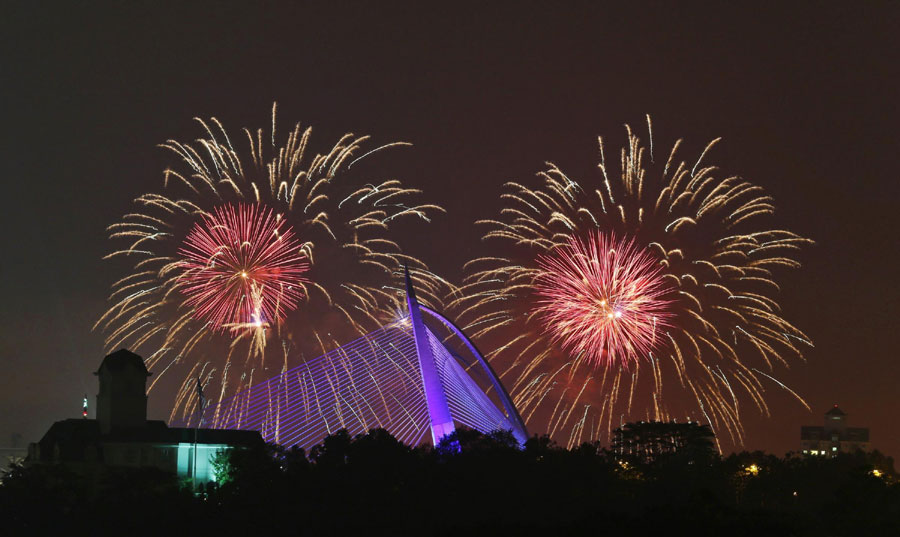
point(805, 99)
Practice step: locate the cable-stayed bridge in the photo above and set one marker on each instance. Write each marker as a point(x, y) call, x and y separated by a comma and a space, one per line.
point(417, 377)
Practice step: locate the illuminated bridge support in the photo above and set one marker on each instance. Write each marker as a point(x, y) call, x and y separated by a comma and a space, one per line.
point(438, 411)
point(516, 424)
point(411, 377)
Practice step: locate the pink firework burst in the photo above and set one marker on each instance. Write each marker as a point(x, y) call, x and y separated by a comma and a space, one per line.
point(242, 267)
point(603, 297)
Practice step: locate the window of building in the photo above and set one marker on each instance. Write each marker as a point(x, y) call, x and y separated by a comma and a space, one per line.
point(815, 452)
point(833, 448)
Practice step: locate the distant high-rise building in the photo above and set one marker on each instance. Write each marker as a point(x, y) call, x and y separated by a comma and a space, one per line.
point(834, 437)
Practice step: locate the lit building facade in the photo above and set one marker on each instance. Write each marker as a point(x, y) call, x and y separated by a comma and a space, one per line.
point(122, 437)
point(834, 437)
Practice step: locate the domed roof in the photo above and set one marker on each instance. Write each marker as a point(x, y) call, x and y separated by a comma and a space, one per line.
point(835, 411)
point(123, 359)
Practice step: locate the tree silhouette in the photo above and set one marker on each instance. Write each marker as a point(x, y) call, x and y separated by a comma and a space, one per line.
point(646, 442)
point(656, 478)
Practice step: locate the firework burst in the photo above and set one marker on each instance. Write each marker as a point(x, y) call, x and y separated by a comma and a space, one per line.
point(701, 322)
point(603, 298)
point(259, 249)
point(242, 267)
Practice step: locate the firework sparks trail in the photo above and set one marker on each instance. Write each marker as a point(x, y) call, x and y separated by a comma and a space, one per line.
point(259, 248)
point(706, 262)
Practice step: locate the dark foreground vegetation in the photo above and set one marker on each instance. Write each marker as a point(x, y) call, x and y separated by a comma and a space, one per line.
point(650, 483)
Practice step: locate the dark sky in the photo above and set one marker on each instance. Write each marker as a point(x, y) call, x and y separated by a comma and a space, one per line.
point(805, 98)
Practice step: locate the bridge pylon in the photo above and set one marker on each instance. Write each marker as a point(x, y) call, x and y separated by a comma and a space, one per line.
point(435, 398)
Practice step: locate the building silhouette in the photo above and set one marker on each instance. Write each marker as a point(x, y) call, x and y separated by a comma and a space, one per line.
point(834, 437)
point(123, 437)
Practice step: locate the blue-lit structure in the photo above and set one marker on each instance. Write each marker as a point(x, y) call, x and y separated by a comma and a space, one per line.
point(418, 376)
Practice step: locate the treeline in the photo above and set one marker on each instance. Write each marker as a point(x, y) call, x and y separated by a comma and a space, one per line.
point(651, 481)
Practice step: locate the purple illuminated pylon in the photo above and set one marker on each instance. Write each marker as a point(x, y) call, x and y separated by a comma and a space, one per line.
point(435, 398)
point(514, 421)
